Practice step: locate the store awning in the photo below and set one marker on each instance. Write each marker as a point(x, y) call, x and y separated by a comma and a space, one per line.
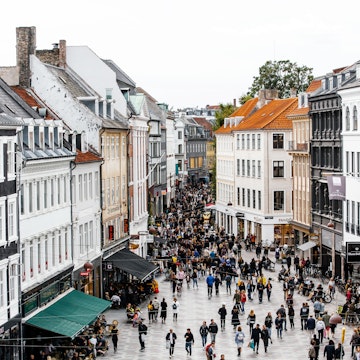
point(133, 264)
point(70, 314)
point(306, 246)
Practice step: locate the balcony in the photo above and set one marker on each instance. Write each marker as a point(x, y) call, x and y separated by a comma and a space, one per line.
point(301, 147)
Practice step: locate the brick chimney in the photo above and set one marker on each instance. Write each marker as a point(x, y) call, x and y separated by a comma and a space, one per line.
point(62, 53)
point(25, 46)
point(266, 95)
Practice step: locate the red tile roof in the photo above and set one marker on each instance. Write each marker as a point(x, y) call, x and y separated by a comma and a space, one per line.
point(86, 157)
point(314, 85)
point(271, 116)
point(243, 111)
point(203, 122)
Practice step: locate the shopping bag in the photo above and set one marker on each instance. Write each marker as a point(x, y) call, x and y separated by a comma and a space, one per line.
point(168, 344)
point(252, 345)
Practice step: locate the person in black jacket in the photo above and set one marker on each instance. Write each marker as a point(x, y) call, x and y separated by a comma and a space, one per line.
point(142, 332)
point(204, 330)
point(189, 340)
point(255, 335)
point(339, 352)
point(329, 350)
point(265, 337)
point(304, 315)
point(213, 329)
point(171, 338)
point(222, 312)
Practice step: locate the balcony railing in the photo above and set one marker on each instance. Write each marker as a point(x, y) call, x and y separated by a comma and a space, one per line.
point(293, 146)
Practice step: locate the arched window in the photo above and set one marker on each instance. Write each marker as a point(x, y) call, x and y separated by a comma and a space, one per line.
point(347, 119)
point(355, 120)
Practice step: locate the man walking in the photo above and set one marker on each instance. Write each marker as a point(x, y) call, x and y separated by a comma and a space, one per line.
point(222, 312)
point(171, 338)
point(282, 313)
point(204, 330)
point(189, 341)
point(255, 335)
point(142, 332)
point(304, 314)
point(213, 330)
point(210, 283)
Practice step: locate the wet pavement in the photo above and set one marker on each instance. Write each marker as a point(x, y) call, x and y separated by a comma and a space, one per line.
point(195, 307)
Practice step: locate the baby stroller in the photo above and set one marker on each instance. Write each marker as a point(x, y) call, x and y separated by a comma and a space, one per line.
point(179, 287)
point(289, 300)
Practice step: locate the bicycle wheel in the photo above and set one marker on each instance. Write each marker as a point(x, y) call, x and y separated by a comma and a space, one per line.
point(327, 298)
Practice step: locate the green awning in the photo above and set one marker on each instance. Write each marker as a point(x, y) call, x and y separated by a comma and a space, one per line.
point(70, 315)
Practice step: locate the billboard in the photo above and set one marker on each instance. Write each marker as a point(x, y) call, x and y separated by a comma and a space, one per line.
point(353, 252)
point(337, 187)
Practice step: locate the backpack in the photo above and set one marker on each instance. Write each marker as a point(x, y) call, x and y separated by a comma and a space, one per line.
point(240, 336)
point(174, 306)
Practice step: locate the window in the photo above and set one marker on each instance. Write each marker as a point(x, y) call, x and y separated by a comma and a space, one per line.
point(278, 141)
point(259, 141)
point(30, 197)
point(259, 169)
point(259, 200)
point(243, 141)
point(22, 204)
point(38, 195)
point(238, 196)
point(180, 149)
point(243, 197)
point(248, 198)
point(278, 200)
point(91, 235)
point(59, 190)
point(52, 192)
point(117, 147)
point(237, 141)
point(13, 282)
point(90, 185)
point(2, 223)
point(45, 194)
point(253, 141)
point(65, 190)
point(97, 187)
point(253, 168)
point(238, 167)
point(123, 145)
point(2, 288)
point(254, 199)
point(80, 188)
point(355, 121)
point(278, 169)
point(11, 157)
point(85, 187)
point(243, 167)
point(11, 219)
point(81, 240)
point(247, 141)
point(179, 135)
point(347, 119)
point(248, 167)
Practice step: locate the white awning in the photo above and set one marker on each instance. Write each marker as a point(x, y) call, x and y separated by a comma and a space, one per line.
point(306, 246)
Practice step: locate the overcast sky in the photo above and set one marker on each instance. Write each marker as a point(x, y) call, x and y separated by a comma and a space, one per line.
point(193, 52)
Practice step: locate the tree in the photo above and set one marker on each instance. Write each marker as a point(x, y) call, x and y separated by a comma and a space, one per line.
point(225, 111)
point(283, 76)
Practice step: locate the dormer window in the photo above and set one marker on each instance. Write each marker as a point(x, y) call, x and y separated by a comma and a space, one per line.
point(108, 92)
point(355, 120)
point(56, 136)
point(36, 136)
point(41, 137)
point(347, 119)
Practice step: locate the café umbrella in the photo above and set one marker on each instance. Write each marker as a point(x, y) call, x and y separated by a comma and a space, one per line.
point(335, 319)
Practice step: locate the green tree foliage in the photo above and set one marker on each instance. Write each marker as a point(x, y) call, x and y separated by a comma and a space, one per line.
point(225, 111)
point(283, 76)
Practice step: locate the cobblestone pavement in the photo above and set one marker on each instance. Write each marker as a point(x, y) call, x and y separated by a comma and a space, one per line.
point(195, 307)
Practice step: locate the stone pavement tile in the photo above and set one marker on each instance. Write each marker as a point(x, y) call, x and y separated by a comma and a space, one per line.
point(196, 307)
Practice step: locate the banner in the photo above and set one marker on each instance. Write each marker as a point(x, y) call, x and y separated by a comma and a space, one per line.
point(337, 188)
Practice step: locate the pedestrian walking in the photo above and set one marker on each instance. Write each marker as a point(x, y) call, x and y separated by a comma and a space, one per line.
point(291, 315)
point(210, 351)
point(217, 282)
point(163, 312)
point(189, 341)
point(228, 283)
point(222, 312)
point(268, 289)
point(282, 313)
point(310, 325)
point(320, 327)
point(204, 330)
point(279, 325)
point(239, 340)
point(304, 315)
point(339, 352)
point(329, 350)
point(170, 342)
point(255, 336)
point(251, 319)
point(213, 330)
point(194, 277)
point(235, 321)
point(249, 288)
point(175, 307)
point(142, 328)
point(260, 290)
point(312, 351)
point(316, 342)
point(150, 308)
point(114, 337)
point(265, 337)
point(156, 306)
point(210, 283)
point(268, 323)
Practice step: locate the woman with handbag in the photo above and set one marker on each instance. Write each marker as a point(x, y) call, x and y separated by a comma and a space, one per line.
point(170, 342)
point(251, 319)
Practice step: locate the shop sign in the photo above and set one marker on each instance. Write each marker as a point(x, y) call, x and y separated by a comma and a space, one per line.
point(352, 252)
point(49, 293)
point(30, 305)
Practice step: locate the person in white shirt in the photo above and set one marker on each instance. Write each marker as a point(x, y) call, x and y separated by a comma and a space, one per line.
point(175, 306)
point(170, 338)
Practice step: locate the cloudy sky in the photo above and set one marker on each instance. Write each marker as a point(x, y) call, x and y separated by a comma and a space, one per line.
point(193, 52)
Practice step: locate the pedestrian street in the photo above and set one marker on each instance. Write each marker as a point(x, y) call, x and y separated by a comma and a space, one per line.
point(195, 307)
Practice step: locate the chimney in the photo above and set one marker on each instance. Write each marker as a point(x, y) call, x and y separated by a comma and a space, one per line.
point(25, 46)
point(234, 102)
point(62, 53)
